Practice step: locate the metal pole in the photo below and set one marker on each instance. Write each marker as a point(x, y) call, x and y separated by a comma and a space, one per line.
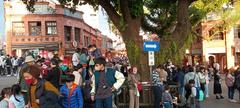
point(150, 75)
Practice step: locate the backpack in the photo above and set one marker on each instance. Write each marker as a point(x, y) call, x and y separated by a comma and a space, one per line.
point(199, 94)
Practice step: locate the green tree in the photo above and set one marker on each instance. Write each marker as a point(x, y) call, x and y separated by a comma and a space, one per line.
point(176, 21)
point(174, 26)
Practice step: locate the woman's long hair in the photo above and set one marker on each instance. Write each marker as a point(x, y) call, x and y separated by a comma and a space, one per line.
point(16, 90)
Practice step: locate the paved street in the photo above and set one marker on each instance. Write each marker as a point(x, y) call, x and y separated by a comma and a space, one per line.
point(212, 102)
point(209, 103)
point(7, 81)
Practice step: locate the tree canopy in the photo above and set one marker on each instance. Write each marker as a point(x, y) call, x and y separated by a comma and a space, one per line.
point(173, 20)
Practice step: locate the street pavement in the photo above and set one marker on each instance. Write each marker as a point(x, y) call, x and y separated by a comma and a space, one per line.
point(7, 81)
point(210, 102)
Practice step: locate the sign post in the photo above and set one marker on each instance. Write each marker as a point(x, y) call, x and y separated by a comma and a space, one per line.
point(151, 46)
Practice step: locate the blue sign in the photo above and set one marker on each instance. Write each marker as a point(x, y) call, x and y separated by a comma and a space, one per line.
point(151, 46)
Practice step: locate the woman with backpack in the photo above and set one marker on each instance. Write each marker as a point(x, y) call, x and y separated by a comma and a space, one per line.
point(229, 80)
point(17, 97)
point(42, 94)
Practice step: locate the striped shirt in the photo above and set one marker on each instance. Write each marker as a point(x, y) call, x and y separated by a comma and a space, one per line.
point(156, 79)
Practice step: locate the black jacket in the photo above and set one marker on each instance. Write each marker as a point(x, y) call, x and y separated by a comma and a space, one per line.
point(47, 99)
point(54, 76)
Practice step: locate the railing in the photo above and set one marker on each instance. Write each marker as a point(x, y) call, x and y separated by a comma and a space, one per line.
point(146, 99)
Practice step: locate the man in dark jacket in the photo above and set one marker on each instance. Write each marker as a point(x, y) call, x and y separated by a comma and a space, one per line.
point(54, 74)
point(95, 52)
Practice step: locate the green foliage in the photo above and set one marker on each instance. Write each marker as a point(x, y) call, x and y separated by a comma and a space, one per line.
point(136, 8)
point(161, 16)
point(199, 9)
point(161, 19)
point(231, 16)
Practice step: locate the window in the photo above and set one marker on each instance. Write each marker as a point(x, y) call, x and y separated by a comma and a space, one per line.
point(51, 28)
point(87, 41)
point(34, 28)
point(77, 34)
point(67, 33)
point(237, 31)
point(216, 34)
point(18, 29)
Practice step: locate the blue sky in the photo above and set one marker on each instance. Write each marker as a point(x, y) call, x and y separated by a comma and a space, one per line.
point(1, 18)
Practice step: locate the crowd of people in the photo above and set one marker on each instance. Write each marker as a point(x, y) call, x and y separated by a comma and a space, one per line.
point(94, 81)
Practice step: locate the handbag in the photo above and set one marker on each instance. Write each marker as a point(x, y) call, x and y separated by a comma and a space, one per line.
point(139, 87)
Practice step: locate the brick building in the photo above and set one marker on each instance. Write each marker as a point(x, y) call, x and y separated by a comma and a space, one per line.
point(50, 28)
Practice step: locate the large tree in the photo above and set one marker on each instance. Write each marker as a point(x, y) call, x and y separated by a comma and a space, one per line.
point(176, 23)
point(127, 16)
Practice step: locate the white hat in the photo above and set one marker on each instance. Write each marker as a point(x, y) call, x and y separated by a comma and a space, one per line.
point(29, 59)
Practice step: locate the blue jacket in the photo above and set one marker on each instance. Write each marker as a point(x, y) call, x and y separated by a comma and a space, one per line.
point(75, 100)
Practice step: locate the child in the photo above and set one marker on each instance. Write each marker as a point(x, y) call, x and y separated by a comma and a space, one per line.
point(194, 103)
point(78, 75)
point(167, 98)
point(6, 103)
point(17, 97)
point(72, 94)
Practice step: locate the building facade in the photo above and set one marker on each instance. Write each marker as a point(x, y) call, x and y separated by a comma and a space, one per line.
point(50, 28)
point(216, 45)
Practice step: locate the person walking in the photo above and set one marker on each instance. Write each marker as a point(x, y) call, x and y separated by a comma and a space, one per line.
point(8, 65)
point(2, 65)
point(202, 78)
point(208, 77)
point(217, 88)
point(84, 58)
point(72, 93)
point(134, 80)
point(191, 75)
point(230, 80)
point(54, 75)
point(105, 82)
point(29, 60)
point(42, 94)
point(14, 65)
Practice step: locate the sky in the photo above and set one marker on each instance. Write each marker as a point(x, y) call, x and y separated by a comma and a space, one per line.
point(1, 18)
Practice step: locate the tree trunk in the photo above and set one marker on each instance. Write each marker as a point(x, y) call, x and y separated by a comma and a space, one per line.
point(173, 47)
point(134, 46)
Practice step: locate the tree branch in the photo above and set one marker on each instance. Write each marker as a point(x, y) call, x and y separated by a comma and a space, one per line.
point(112, 13)
point(125, 10)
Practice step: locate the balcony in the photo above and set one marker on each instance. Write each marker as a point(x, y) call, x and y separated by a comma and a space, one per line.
point(34, 39)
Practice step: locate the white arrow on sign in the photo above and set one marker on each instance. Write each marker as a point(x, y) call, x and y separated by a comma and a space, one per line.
point(151, 46)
